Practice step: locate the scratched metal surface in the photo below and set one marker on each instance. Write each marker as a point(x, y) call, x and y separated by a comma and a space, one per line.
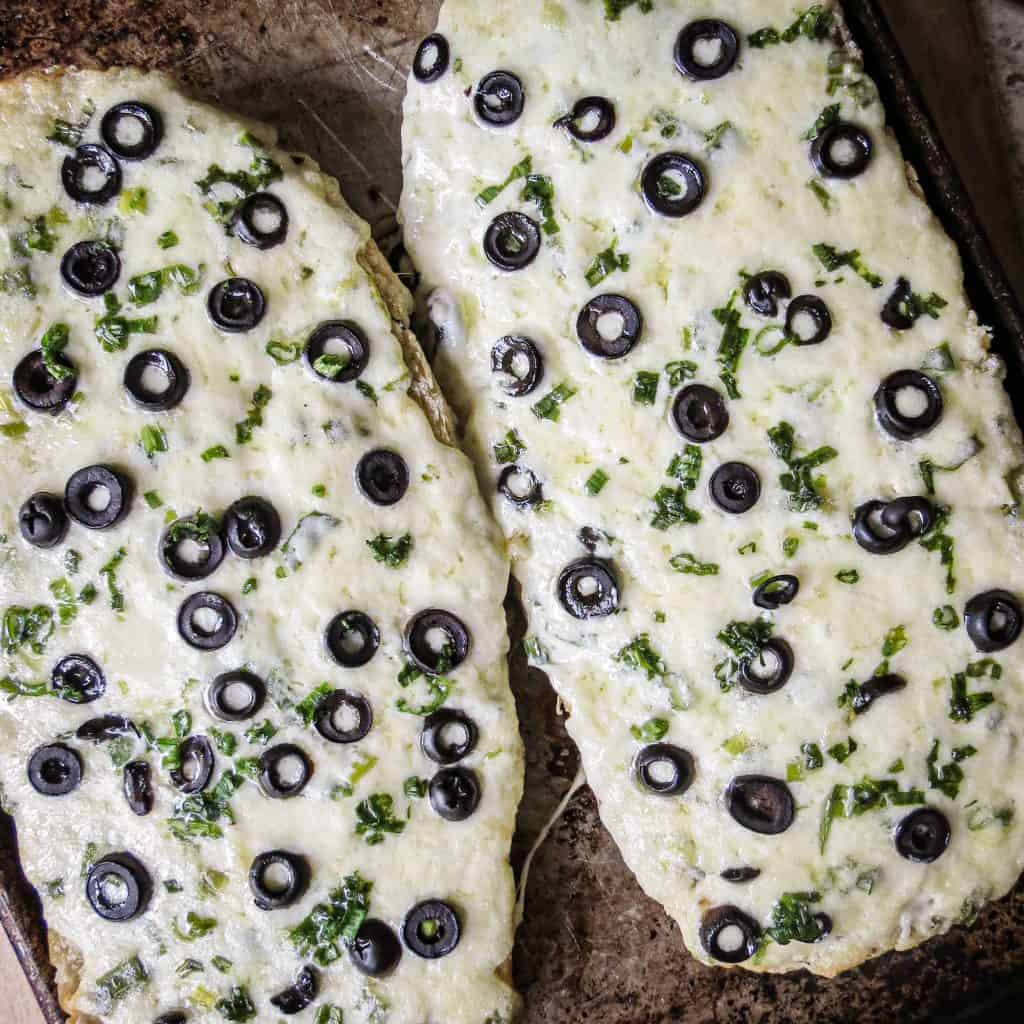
point(592, 948)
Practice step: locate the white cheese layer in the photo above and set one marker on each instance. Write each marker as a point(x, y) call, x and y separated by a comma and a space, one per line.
point(301, 457)
point(657, 666)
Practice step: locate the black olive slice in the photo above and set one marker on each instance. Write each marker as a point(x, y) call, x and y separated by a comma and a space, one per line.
point(252, 527)
point(352, 639)
point(620, 313)
point(431, 929)
point(171, 1017)
point(54, 770)
point(914, 515)
point(875, 687)
point(156, 362)
point(375, 950)
point(664, 769)
point(700, 413)
point(454, 793)
point(763, 291)
point(298, 996)
point(735, 487)
point(97, 497)
point(776, 591)
point(591, 119)
point(275, 762)
point(588, 589)
point(760, 803)
point(740, 875)
point(520, 364)
point(236, 305)
point(707, 31)
point(118, 887)
point(897, 423)
point(209, 631)
point(91, 175)
point(77, 679)
point(769, 671)
point(235, 696)
point(897, 312)
point(842, 150)
point(261, 220)
point(499, 99)
point(197, 760)
point(432, 58)
point(42, 520)
point(90, 268)
point(448, 736)
point(512, 241)
point(105, 728)
point(190, 549)
point(883, 528)
point(138, 787)
point(38, 389)
point(383, 476)
point(337, 367)
point(719, 920)
point(589, 538)
point(278, 879)
point(520, 486)
point(431, 625)
point(672, 185)
point(343, 717)
point(132, 130)
point(923, 835)
point(812, 307)
point(993, 620)
point(824, 923)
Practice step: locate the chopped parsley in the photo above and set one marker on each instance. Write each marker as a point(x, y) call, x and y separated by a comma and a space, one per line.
point(392, 553)
point(821, 193)
point(670, 508)
point(53, 342)
point(26, 626)
point(437, 686)
point(832, 260)
point(541, 190)
point(69, 133)
point(375, 819)
point(133, 200)
point(815, 23)
point(841, 751)
point(195, 927)
point(509, 449)
point(848, 576)
point(262, 171)
point(936, 539)
point(650, 732)
point(254, 415)
point(805, 491)
point(963, 706)
point(168, 240)
point(690, 565)
point(414, 787)
point(947, 777)
point(640, 655)
point(109, 573)
point(613, 8)
point(128, 976)
point(713, 136)
point(334, 922)
point(927, 468)
point(237, 1005)
point(866, 795)
point(811, 761)
point(153, 440)
point(604, 263)
point(198, 815)
point(828, 117)
point(746, 642)
point(39, 234)
point(262, 733)
point(794, 921)
point(285, 352)
point(894, 642)
point(730, 348)
point(225, 742)
point(548, 408)
point(645, 387)
point(913, 306)
point(113, 330)
point(144, 289)
point(595, 482)
point(521, 170)
point(218, 451)
point(679, 370)
point(945, 618)
point(366, 390)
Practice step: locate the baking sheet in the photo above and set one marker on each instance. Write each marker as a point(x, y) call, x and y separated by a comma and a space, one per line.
point(592, 947)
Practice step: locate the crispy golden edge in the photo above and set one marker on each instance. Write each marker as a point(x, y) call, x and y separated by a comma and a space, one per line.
point(65, 955)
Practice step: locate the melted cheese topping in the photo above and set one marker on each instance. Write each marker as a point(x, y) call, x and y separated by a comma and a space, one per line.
point(659, 666)
point(301, 457)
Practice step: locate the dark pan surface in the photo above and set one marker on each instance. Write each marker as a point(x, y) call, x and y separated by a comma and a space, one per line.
point(592, 947)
